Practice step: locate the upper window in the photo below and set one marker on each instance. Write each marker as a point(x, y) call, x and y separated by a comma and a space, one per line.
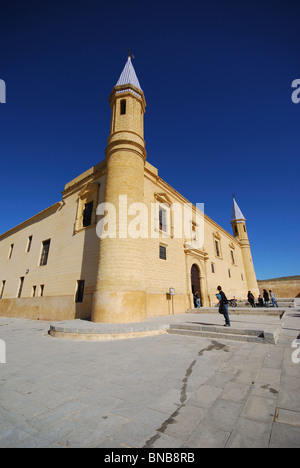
point(29, 244)
point(162, 219)
point(123, 107)
point(217, 247)
point(10, 251)
point(45, 252)
point(232, 257)
point(87, 214)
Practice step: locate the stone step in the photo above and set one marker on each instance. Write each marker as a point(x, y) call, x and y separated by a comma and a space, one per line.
point(227, 333)
point(240, 311)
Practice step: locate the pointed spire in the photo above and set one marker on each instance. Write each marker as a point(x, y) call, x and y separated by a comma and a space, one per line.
point(128, 75)
point(236, 212)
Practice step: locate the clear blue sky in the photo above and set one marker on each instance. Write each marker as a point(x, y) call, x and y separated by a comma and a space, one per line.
point(219, 120)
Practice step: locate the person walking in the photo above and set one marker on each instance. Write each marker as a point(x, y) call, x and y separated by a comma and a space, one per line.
point(273, 298)
point(223, 307)
point(197, 299)
point(266, 298)
point(251, 299)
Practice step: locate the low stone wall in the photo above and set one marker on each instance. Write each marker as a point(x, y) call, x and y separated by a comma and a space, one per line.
point(46, 308)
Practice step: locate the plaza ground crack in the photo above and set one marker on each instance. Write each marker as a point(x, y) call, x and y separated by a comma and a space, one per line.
point(215, 345)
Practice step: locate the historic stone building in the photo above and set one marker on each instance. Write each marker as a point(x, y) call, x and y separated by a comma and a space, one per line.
point(120, 238)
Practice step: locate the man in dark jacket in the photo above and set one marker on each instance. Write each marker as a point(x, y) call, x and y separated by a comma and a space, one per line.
point(266, 298)
point(223, 308)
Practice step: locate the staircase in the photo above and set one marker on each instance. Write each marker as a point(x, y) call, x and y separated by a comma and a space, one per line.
point(269, 336)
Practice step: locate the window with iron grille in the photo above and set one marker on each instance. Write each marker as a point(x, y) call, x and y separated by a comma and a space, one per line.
point(162, 252)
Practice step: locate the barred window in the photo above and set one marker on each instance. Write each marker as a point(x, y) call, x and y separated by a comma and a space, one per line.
point(162, 252)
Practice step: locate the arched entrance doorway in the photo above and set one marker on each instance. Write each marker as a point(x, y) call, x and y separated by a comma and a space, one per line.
point(195, 280)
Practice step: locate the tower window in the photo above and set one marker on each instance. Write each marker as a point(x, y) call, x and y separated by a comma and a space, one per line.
point(212, 267)
point(123, 106)
point(236, 231)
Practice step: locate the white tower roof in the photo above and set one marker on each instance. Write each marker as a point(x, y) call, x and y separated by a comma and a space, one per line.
point(236, 212)
point(128, 76)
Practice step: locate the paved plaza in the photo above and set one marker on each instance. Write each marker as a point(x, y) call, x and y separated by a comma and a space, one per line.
point(164, 391)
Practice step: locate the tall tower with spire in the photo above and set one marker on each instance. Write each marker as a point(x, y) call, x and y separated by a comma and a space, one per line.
point(120, 290)
point(238, 222)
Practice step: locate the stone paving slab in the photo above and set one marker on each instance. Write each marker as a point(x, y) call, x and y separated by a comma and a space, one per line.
point(164, 391)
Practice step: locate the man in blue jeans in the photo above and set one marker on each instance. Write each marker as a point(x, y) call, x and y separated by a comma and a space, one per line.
point(273, 298)
point(223, 308)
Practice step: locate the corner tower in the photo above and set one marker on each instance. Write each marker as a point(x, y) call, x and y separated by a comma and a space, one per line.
point(120, 290)
point(238, 222)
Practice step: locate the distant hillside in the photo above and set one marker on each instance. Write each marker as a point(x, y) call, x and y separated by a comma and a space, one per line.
point(288, 286)
point(284, 278)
